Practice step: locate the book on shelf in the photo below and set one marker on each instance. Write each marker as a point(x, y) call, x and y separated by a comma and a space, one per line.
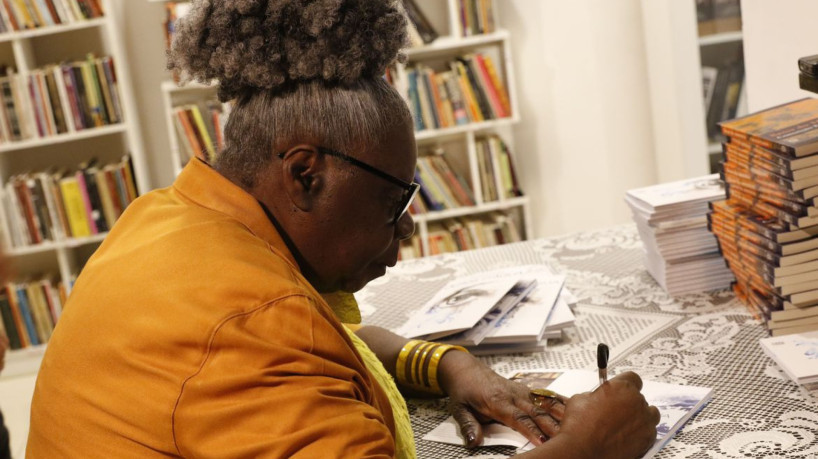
point(718, 16)
point(200, 128)
point(726, 89)
point(469, 90)
point(18, 15)
point(421, 31)
point(58, 99)
point(30, 309)
point(61, 203)
point(476, 17)
point(677, 404)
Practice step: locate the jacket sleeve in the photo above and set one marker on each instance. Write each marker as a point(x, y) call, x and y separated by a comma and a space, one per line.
point(280, 381)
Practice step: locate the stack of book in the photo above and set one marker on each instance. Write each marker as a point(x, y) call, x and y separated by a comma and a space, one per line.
point(441, 185)
point(680, 253)
point(768, 226)
point(32, 14)
point(795, 354)
point(62, 203)
point(200, 128)
point(29, 311)
point(495, 312)
point(470, 90)
point(59, 98)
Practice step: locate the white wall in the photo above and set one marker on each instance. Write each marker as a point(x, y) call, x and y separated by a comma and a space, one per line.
point(143, 35)
point(586, 135)
point(776, 34)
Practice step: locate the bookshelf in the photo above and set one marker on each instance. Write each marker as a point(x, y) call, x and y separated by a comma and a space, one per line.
point(112, 133)
point(460, 142)
point(680, 44)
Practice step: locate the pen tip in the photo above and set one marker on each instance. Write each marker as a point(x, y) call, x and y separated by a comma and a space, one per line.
point(602, 354)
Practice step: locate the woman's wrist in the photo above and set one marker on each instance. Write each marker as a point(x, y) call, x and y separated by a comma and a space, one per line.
point(453, 365)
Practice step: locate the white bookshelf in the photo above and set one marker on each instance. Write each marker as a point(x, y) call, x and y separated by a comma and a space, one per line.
point(450, 43)
point(675, 56)
point(32, 49)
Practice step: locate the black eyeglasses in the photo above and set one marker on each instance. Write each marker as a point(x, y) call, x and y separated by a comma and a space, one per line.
point(410, 190)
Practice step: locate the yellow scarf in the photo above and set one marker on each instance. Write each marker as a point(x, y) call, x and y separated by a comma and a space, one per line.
point(346, 308)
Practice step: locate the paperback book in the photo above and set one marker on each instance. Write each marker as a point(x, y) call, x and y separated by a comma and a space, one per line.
point(676, 403)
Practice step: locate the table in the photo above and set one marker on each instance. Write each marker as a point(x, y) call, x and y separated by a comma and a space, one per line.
point(706, 339)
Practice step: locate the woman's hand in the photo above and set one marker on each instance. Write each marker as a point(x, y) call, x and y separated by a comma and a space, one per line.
point(479, 395)
point(613, 421)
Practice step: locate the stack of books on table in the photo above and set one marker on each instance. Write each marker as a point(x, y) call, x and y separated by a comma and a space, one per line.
point(501, 311)
point(680, 253)
point(768, 226)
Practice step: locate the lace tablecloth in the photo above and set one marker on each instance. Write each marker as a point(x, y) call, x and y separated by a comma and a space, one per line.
point(706, 339)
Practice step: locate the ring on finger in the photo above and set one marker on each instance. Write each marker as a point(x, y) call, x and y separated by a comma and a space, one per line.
point(540, 396)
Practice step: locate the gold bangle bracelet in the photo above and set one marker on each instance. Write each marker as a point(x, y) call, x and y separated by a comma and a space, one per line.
point(400, 366)
point(434, 363)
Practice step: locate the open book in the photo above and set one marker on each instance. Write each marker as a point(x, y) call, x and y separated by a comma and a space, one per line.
point(493, 308)
point(677, 404)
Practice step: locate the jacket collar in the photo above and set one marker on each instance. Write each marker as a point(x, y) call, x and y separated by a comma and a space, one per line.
point(206, 187)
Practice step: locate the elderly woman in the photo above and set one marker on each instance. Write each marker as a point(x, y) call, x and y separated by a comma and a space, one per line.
point(199, 329)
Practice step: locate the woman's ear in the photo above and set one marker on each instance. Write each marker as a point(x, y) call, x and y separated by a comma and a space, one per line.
point(303, 175)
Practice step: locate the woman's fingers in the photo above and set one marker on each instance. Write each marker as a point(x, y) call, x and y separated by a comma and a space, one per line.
point(470, 428)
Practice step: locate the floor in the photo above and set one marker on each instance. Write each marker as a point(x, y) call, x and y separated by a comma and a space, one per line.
point(16, 389)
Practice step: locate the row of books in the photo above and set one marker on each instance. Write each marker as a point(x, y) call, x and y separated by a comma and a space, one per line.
point(680, 252)
point(718, 16)
point(443, 187)
point(471, 90)
point(200, 128)
point(18, 15)
point(476, 17)
point(60, 203)
point(723, 88)
point(494, 162)
point(465, 233)
point(29, 311)
point(767, 227)
point(59, 98)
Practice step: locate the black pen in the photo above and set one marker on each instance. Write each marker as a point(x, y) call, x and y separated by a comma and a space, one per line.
point(602, 353)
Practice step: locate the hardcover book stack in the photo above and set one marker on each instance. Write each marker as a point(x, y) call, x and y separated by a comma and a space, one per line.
point(60, 203)
point(59, 98)
point(496, 312)
point(32, 14)
point(469, 91)
point(680, 253)
point(29, 311)
point(768, 226)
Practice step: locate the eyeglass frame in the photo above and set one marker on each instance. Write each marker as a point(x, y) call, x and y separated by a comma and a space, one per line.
point(410, 190)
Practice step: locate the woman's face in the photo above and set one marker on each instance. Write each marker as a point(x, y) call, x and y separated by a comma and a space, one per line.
point(362, 236)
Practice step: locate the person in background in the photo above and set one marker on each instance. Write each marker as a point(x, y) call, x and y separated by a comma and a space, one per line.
point(201, 326)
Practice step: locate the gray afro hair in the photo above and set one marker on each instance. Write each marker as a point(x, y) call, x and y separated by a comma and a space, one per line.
point(271, 44)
